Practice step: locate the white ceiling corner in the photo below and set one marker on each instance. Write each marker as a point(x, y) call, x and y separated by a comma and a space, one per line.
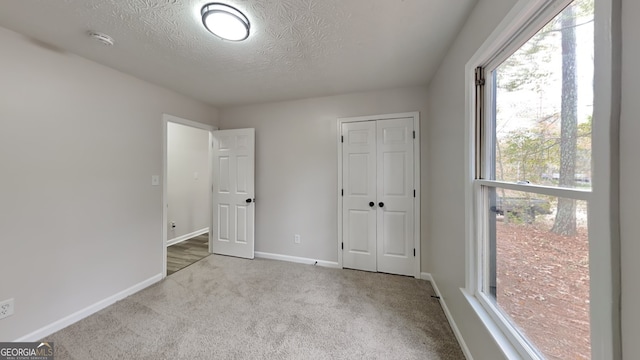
point(297, 48)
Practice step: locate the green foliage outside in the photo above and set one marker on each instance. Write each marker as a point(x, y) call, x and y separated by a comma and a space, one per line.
point(543, 136)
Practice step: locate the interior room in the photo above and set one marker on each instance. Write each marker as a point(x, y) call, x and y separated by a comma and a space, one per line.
point(90, 89)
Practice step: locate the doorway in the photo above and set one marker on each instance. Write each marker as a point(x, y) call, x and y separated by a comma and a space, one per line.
point(379, 207)
point(186, 186)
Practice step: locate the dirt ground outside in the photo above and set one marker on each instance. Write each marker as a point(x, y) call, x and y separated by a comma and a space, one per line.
point(543, 285)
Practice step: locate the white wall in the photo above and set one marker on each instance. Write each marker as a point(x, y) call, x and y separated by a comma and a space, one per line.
point(296, 165)
point(187, 194)
point(446, 181)
point(78, 145)
point(629, 177)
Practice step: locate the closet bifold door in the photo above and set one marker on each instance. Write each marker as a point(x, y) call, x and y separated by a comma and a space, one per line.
point(395, 213)
point(378, 201)
point(359, 182)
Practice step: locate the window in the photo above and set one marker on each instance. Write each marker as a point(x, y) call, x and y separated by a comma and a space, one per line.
point(531, 247)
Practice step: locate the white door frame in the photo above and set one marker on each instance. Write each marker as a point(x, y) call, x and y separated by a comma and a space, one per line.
point(416, 176)
point(166, 119)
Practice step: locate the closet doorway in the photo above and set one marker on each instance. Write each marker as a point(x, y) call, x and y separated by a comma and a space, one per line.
point(379, 207)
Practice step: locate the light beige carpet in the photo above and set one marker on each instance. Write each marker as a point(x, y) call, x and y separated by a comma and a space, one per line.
point(229, 308)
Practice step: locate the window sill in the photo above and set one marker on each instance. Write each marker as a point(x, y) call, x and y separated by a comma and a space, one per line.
point(496, 333)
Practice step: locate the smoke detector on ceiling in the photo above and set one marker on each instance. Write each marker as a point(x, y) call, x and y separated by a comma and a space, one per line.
point(103, 38)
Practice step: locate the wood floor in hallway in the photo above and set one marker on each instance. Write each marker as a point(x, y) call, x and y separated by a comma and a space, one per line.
point(187, 252)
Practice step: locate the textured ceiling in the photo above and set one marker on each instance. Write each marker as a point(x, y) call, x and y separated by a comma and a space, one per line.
point(297, 48)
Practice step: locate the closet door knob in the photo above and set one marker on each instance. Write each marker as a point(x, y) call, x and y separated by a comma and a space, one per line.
point(372, 204)
point(249, 201)
point(381, 204)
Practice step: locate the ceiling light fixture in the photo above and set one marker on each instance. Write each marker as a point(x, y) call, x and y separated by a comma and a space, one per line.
point(225, 22)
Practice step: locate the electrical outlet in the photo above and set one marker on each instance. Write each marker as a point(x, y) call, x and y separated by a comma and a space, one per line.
point(296, 239)
point(173, 225)
point(6, 308)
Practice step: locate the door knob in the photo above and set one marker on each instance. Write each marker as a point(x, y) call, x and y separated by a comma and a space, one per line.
point(372, 204)
point(381, 204)
point(249, 201)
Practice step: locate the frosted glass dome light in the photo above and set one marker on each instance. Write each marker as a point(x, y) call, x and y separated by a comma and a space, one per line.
point(225, 22)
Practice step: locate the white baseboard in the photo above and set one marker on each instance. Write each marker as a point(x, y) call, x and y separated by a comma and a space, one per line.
point(182, 238)
point(89, 310)
point(447, 313)
point(427, 276)
point(295, 259)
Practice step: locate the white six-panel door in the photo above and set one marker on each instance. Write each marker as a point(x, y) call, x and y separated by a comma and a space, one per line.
point(233, 193)
point(395, 196)
point(359, 181)
point(378, 200)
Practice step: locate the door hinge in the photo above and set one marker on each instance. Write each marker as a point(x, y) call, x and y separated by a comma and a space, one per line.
point(341, 139)
point(414, 251)
point(414, 192)
point(342, 246)
point(414, 134)
point(342, 192)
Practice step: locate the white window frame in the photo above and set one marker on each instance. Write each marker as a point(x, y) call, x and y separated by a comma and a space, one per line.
point(523, 21)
